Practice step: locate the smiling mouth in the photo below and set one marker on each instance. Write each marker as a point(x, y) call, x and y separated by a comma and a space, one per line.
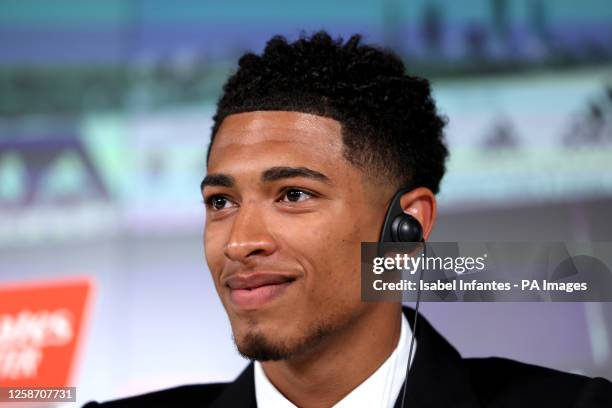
point(255, 291)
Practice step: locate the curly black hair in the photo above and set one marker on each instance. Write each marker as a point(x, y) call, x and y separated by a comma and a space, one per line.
point(390, 126)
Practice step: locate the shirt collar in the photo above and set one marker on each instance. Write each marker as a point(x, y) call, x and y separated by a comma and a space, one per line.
point(381, 389)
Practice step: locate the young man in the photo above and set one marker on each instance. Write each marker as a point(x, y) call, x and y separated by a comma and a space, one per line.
point(311, 141)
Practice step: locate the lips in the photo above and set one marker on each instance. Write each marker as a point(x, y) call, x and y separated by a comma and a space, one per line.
point(254, 290)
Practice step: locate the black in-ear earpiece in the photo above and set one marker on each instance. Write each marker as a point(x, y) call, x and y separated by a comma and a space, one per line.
point(406, 228)
point(399, 226)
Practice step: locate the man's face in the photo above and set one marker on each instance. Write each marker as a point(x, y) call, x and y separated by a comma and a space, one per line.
point(285, 217)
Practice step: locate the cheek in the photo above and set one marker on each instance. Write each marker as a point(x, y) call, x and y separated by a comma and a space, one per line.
point(213, 248)
point(331, 257)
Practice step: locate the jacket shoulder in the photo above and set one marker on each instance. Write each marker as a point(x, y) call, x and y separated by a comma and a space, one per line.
point(183, 396)
point(500, 380)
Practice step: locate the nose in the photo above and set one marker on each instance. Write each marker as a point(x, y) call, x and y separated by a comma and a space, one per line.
point(250, 236)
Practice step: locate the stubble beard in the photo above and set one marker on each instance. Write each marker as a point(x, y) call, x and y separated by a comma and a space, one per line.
point(258, 345)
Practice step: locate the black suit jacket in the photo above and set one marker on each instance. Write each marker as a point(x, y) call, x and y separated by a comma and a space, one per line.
point(439, 378)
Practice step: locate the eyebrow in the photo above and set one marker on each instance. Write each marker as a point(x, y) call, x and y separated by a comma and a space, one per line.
point(279, 173)
point(271, 174)
point(220, 180)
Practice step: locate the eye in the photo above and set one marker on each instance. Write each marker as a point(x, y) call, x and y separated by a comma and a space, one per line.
point(218, 202)
point(295, 195)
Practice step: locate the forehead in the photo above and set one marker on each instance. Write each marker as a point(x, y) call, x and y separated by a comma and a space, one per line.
point(278, 136)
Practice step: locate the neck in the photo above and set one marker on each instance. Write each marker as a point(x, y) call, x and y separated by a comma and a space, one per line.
point(326, 374)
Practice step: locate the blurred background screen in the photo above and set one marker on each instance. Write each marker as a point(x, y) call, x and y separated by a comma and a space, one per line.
point(105, 117)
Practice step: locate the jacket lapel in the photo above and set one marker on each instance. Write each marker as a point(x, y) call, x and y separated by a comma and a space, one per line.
point(437, 377)
point(240, 393)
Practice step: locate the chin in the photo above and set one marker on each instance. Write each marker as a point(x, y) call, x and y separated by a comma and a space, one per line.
point(274, 345)
point(255, 345)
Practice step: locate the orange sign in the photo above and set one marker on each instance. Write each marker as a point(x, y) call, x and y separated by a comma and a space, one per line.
point(40, 330)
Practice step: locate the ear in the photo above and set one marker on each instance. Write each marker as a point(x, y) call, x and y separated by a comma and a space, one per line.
point(421, 204)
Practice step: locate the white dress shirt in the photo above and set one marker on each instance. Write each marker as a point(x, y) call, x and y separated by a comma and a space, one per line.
point(381, 389)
